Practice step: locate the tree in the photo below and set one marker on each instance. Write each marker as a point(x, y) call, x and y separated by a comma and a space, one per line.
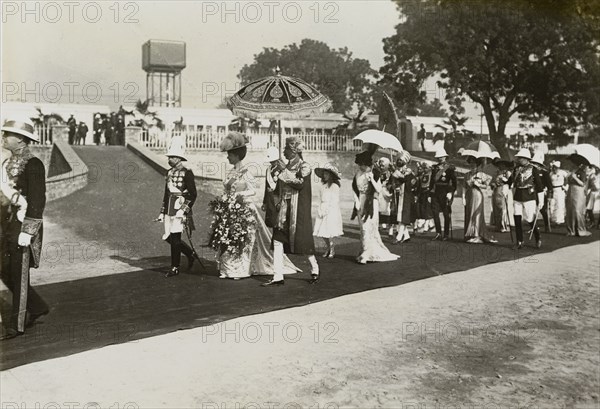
point(433, 108)
point(345, 80)
point(534, 58)
point(47, 120)
point(143, 117)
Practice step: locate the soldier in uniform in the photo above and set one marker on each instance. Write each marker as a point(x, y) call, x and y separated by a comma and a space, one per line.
point(23, 198)
point(441, 193)
point(538, 163)
point(72, 125)
point(528, 197)
point(424, 220)
point(98, 125)
point(294, 233)
point(176, 211)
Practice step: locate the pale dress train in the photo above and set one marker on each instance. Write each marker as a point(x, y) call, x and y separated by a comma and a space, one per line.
point(257, 256)
point(372, 247)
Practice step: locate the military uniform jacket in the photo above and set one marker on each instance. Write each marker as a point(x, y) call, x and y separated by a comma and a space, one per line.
point(545, 178)
point(527, 183)
point(26, 177)
point(443, 180)
point(179, 184)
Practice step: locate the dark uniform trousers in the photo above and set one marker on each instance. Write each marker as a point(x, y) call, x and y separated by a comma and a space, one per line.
point(28, 174)
point(439, 203)
point(443, 181)
point(15, 275)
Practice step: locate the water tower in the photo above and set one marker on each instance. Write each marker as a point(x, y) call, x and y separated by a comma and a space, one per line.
point(163, 62)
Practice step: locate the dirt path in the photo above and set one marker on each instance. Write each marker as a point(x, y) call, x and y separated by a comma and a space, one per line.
point(510, 334)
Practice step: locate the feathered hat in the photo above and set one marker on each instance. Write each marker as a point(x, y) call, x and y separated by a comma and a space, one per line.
point(441, 153)
point(364, 158)
point(177, 147)
point(233, 140)
point(295, 144)
point(538, 158)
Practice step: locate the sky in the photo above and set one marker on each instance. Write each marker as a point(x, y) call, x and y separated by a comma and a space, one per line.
point(90, 52)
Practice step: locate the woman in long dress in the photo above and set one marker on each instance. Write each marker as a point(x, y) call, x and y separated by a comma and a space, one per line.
point(559, 193)
point(501, 217)
point(404, 183)
point(384, 167)
point(256, 257)
point(593, 195)
point(366, 187)
point(576, 203)
point(476, 182)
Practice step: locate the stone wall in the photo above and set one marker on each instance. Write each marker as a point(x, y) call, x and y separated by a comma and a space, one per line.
point(75, 176)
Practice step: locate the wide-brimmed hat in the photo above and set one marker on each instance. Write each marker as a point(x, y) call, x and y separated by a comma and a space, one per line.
point(440, 153)
point(23, 127)
point(272, 154)
point(177, 148)
point(523, 153)
point(331, 168)
point(502, 162)
point(364, 158)
point(233, 140)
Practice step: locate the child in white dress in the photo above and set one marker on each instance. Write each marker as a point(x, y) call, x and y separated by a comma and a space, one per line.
point(329, 216)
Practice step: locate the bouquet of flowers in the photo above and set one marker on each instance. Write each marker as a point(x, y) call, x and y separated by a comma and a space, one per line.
point(232, 222)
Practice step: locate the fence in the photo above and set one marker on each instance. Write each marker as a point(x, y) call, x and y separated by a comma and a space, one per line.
point(201, 140)
point(45, 133)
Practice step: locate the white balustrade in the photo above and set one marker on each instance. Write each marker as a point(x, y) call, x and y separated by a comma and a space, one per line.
point(211, 140)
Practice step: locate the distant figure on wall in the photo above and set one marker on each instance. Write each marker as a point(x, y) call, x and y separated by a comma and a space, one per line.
point(110, 129)
point(82, 131)
point(98, 127)
point(72, 125)
point(120, 130)
point(421, 136)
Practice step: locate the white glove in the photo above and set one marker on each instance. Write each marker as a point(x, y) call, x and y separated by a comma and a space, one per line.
point(449, 196)
point(161, 217)
point(24, 239)
point(180, 214)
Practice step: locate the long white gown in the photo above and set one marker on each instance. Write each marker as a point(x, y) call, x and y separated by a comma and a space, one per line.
point(257, 257)
point(372, 247)
point(559, 196)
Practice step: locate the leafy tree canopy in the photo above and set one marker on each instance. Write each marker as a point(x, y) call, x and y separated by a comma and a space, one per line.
point(335, 73)
point(533, 58)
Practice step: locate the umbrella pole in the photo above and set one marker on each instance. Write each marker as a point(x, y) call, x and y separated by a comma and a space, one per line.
point(279, 142)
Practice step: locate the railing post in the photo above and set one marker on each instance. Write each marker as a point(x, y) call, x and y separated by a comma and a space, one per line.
point(133, 134)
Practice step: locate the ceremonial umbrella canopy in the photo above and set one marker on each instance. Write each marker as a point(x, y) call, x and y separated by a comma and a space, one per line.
point(278, 97)
point(586, 154)
point(380, 138)
point(481, 149)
